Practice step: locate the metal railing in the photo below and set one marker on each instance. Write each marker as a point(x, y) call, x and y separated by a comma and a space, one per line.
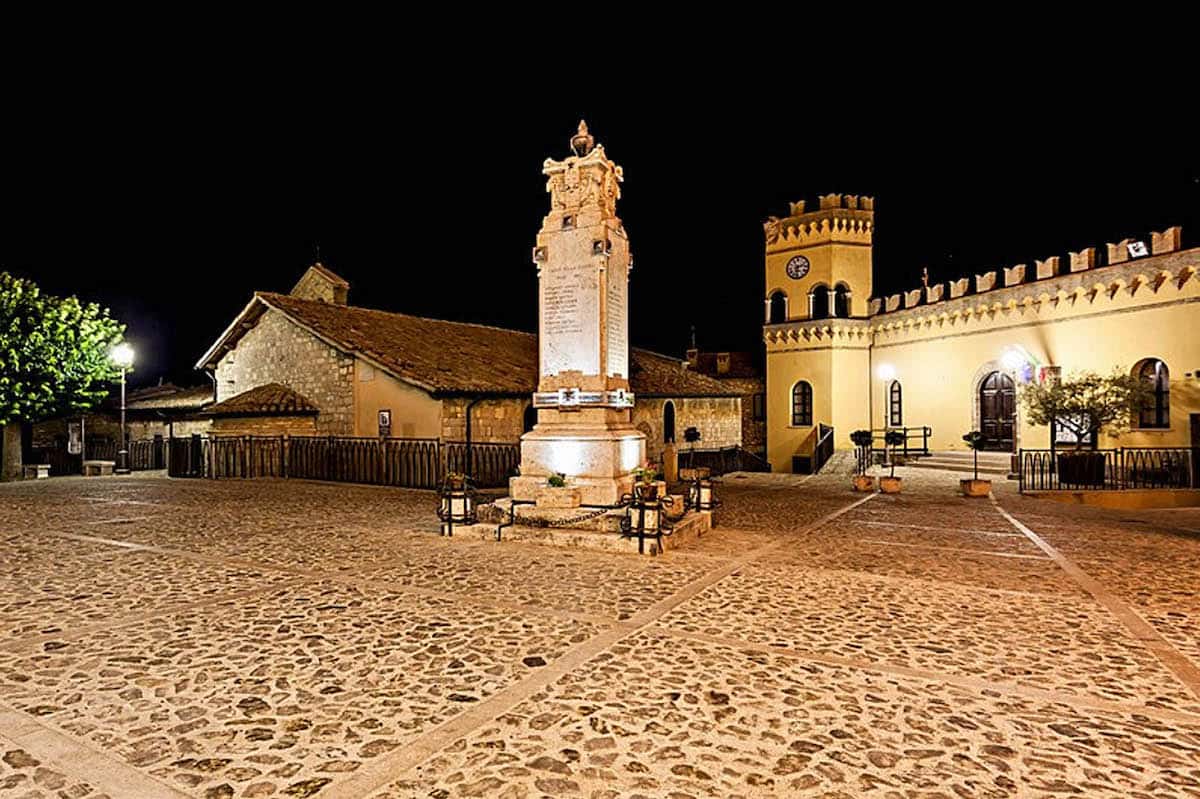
point(723, 460)
point(400, 462)
point(911, 434)
point(1108, 469)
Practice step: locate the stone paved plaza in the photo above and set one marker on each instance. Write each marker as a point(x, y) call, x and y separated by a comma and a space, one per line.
point(171, 638)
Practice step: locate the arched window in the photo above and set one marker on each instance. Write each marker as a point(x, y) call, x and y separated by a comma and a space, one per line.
point(668, 422)
point(841, 301)
point(1156, 412)
point(530, 417)
point(818, 302)
point(895, 405)
point(802, 404)
point(778, 311)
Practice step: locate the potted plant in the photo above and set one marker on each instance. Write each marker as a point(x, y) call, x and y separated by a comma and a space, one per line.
point(1084, 404)
point(456, 481)
point(891, 483)
point(862, 440)
point(557, 480)
point(646, 485)
point(975, 487)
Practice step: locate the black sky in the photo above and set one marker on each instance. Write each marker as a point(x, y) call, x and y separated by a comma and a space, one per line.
point(171, 185)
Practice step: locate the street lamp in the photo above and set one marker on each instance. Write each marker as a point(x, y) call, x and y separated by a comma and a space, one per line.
point(122, 356)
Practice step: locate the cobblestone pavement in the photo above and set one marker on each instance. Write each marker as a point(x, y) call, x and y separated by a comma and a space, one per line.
point(182, 638)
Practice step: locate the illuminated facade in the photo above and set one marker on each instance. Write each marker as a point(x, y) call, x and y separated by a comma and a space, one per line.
point(952, 356)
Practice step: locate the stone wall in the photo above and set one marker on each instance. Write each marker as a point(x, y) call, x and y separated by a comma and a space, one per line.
point(277, 350)
point(500, 421)
point(754, 432)
point(719, 420)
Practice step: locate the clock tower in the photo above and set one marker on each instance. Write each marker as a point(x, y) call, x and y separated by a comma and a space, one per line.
point(818, 263)
point(818, 279)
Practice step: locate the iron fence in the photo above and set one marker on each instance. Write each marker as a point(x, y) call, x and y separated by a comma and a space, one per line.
point(1107, 469)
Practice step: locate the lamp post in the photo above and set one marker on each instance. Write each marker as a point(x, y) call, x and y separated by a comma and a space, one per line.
point(122, 356)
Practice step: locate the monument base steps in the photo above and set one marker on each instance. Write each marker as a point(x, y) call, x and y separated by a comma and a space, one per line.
point(600, 532)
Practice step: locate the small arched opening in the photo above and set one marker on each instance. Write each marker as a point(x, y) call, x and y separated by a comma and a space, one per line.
point(668, 422)
point(818, 302)
point(777, 309)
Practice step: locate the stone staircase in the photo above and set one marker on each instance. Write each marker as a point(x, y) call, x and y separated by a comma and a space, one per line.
point(991, 464)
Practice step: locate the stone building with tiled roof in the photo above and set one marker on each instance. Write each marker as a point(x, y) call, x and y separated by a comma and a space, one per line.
point(742, 372)
point(429, 378)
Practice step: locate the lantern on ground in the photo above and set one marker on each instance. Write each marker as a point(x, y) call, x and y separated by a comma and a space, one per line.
point(700, 493)
point(456, 504)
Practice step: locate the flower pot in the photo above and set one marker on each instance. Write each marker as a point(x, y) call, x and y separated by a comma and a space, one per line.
point(975, 488)
point(889, 485)
point(646, 491)
point(864, 482)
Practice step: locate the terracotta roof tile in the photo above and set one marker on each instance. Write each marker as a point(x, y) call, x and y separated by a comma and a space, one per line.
point(271, 399)
point(460, 357)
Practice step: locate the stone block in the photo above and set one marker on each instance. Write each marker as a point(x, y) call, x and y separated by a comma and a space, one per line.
point(985, 282)
point(874, 306)
point(1167, 241)
point(559, 497)
point(1014, 275)
point(935, 292)
point(1119, 252)
point(893, 302)
point(912, 298)
point(1047, 267)
point(959, 287)
point(1083, 260)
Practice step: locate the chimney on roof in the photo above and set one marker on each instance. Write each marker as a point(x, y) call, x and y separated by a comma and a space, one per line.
point(322, 284)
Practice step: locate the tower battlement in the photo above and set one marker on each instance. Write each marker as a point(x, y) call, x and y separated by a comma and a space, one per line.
point(838, 218)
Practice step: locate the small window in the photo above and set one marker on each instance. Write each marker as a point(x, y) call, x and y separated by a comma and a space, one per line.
point(818, 302)
point(530, 418)
point(895, 405)
point(802, 404)
point(841, 301)
point(669, 422)
point(760, 407)
point(778, 310)
point(568, 221)
point(1156, 412)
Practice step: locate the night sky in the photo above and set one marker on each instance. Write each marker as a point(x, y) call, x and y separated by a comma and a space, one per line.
point(171, 189)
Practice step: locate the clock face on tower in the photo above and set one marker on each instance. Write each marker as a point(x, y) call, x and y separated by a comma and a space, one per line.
point(797, 267)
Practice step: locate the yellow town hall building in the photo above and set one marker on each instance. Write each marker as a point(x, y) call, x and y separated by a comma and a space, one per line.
point(952, 356)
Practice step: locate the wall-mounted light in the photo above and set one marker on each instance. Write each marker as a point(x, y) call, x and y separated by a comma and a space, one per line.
point(886, 371)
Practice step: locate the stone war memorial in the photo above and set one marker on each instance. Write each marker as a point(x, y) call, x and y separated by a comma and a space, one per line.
point(584, 434)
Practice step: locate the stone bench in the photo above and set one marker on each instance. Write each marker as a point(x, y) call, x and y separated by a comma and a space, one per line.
point(37, 471)
point(98, 468)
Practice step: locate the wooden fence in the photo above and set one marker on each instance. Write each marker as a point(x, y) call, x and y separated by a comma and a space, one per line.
point(401, 462)
point(144, 454)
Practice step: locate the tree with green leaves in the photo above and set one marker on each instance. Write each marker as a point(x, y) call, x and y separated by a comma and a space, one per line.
point(54, 359)
point(1087, 402)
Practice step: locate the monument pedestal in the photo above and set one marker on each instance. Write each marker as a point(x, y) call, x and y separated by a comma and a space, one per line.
point(599, 461)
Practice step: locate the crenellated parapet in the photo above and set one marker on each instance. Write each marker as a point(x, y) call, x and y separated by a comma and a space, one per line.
point(983, 285)
point(839, 218)
point(1126, 285)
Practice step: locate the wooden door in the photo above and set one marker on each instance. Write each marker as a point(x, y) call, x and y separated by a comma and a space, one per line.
point(997, 411)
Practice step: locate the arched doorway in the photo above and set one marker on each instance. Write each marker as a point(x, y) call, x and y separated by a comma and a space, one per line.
point(668, 422)
point(997, 411)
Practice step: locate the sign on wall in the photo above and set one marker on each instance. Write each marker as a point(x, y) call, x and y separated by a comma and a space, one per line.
point(74, 438)
point(385, 423)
